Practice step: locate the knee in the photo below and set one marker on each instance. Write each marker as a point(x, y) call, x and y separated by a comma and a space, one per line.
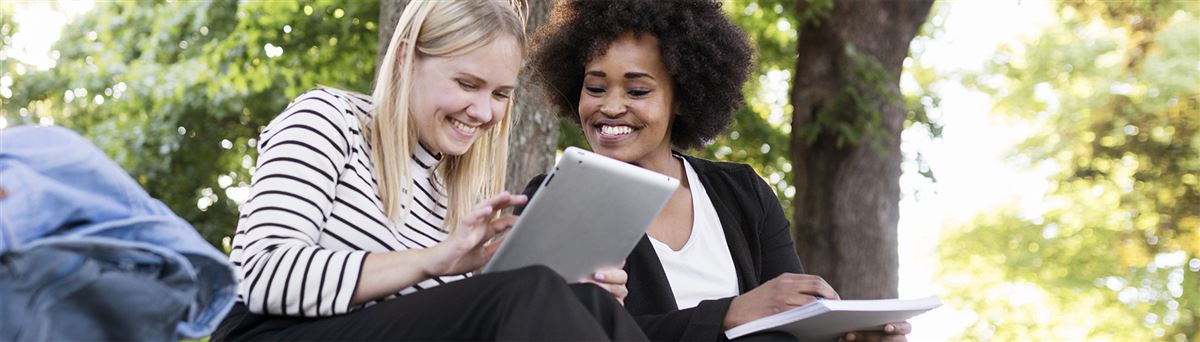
point(538, 273)
point(589, 290)
point(593, 296)
point(531, 280)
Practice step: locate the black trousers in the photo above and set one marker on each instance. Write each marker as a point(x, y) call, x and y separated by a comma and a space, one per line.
point(532, 303)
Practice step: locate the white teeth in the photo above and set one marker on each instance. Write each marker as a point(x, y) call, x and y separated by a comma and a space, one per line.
point(615, 130)
point(464, 127)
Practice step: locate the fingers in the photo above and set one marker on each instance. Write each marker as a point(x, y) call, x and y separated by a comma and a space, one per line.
point(619, 292)
point(476, 229)
point(792, 299)
point(614, 276)
point(612, 280)
point(496, 227)
point(858, 336)
point(504, 200)
point(809, 285)
point(894, 331)
point(502, 223)
point(477, 216)
point(897, 328)
point(871, 336)
point(853, 336)
point(489, 207)
point(800, 289)
point(513, 200)
point(490, 249)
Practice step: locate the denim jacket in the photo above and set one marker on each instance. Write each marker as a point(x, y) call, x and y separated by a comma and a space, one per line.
point(85, 253)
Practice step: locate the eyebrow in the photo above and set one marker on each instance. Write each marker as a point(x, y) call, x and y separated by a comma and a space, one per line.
point(628, 75)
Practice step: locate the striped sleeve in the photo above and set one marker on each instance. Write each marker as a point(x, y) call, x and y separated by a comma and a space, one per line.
point(284, 271)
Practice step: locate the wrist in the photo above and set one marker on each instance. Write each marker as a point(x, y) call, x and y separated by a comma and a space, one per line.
point(427, 266)
point(732, 314)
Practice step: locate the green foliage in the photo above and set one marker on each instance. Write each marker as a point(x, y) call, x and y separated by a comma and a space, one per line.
point(1038, 281)
point(816, 11)
point(854, 116)
point(177, 92)
point(569, 134)
point(923, 100)
point(759, 133)
point(8, 67)
point(1114, 93)
point(771, 26)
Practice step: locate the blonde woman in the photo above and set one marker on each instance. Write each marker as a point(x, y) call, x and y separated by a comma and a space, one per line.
point(366, 215)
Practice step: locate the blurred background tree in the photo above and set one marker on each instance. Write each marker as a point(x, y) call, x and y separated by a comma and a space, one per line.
point(848, 114)
point(1113, 91)
point(176, 92)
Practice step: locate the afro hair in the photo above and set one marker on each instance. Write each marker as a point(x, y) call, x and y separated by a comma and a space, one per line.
point(707, 56)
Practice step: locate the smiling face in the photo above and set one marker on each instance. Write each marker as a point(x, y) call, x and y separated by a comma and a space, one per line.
point(458, 98)
point(626, 100)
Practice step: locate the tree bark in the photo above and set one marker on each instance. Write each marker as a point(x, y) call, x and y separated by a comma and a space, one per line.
point(534, 136)
point(389, 13)
point(847, 198)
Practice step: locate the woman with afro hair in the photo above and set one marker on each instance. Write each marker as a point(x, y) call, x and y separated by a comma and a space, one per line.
point(641, 77)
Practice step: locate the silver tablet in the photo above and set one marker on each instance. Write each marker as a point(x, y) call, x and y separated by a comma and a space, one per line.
point(590, 212)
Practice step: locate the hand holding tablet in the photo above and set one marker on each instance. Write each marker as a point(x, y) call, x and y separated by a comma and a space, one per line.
point(589, 213)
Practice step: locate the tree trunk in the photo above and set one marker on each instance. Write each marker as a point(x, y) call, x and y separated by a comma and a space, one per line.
point(847, 198)
point(534, 135)
point(389, 13)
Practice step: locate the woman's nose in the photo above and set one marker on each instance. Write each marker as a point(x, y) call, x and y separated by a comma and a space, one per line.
point(612, 107)
point(480, 109)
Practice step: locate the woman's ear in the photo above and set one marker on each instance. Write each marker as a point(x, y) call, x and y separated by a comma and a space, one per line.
point(676, 109)
point(401, 52)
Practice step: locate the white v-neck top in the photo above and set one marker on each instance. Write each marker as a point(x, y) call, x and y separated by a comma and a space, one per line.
point(703, 268)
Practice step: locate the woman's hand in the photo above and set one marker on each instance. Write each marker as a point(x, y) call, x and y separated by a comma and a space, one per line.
point(892, 332)
point(468, 247)
point(786, 291)
point(611, 279)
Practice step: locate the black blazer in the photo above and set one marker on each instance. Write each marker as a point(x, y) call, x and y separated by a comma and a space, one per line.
point(760, 243)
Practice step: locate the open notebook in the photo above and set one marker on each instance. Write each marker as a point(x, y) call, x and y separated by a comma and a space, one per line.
point(829, 319)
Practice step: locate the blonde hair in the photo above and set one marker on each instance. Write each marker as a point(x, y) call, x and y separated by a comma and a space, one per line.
point(438, 29)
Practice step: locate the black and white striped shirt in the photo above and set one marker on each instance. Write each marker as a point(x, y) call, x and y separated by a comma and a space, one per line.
point(314, 211)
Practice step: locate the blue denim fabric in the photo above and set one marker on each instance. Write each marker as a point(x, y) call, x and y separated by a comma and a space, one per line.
point(69, 208)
